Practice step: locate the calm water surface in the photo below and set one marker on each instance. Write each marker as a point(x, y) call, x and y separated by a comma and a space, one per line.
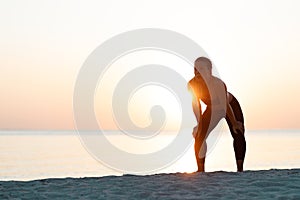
point(28, 155)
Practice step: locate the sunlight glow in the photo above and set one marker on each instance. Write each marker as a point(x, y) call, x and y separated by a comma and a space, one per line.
point(145, 97)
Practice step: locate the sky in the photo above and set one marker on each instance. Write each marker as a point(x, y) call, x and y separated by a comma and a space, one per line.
point(43, 44)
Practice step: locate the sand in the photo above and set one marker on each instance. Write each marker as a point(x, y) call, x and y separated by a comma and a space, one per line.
point(265, 184)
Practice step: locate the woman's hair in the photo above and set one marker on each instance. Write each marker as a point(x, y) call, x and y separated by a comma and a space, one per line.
point(205, 62)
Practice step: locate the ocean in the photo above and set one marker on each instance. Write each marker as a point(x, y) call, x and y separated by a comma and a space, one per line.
point(34, 155)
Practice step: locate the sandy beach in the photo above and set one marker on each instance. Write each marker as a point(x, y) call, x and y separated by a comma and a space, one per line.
point(264, 184)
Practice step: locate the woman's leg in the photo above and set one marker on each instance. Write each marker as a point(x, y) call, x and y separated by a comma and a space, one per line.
point(239, 142)
point(200, 160)
point(200, 146)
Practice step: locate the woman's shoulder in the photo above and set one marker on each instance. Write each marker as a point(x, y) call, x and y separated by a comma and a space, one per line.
point(197, 80)
point(218, 80)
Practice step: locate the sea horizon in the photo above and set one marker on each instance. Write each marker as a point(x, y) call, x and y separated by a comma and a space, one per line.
point(34, 155)
point(64, 131)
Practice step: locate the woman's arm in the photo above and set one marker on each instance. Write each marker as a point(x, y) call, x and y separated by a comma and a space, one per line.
point(196, 109)
point(195, 103)
point(236, 125)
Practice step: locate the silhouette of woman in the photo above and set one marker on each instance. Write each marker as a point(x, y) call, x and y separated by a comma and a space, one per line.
point(213, 92)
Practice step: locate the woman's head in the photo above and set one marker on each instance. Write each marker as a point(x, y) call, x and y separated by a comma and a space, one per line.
point(203, 66)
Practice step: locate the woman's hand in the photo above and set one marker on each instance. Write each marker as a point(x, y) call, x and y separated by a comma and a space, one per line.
point(195, 131)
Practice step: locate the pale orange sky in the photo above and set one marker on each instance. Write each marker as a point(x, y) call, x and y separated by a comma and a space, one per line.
point(254, 45)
